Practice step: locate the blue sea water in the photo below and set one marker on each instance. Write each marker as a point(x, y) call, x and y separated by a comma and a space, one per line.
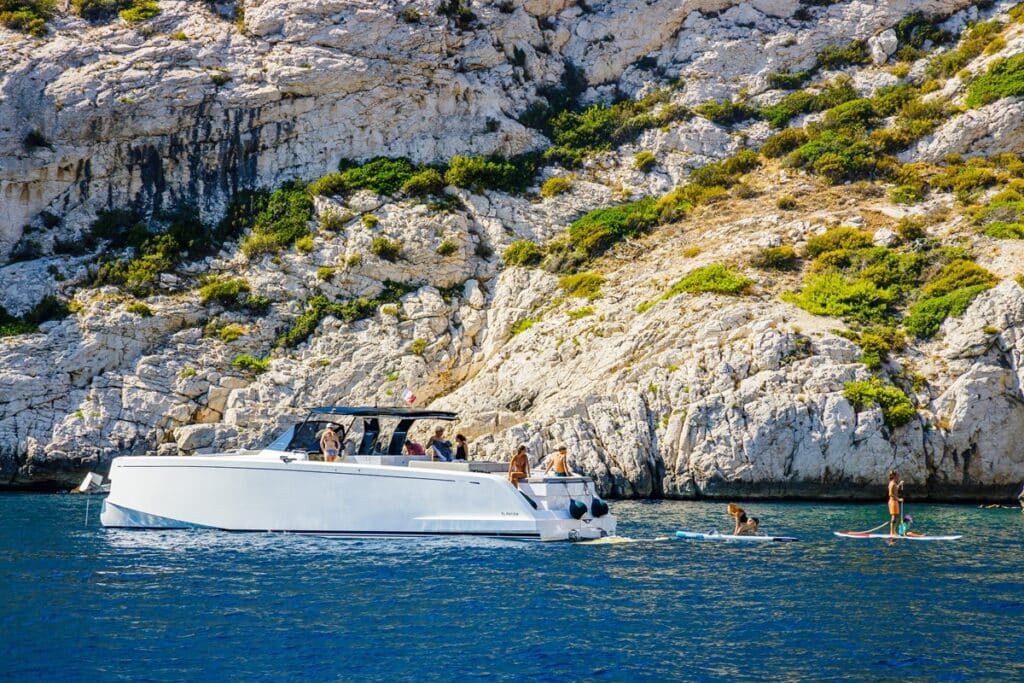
point(78, 602)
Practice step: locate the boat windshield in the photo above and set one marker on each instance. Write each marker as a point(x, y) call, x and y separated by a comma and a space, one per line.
point(363, 436)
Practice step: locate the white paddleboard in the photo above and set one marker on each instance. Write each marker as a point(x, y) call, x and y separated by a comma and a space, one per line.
point(856, 534)
point(693, 535)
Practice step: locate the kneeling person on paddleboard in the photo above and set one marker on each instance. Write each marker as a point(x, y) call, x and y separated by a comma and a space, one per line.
point(744, 526)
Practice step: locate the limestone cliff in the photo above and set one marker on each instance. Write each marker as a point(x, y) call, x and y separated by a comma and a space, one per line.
point(657, 390)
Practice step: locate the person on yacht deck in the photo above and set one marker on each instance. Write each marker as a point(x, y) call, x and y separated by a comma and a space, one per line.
point(461, 448)
point(442, 446)
point(414, 448)
point(559, 463)
point(330, 444)
point(519, 466)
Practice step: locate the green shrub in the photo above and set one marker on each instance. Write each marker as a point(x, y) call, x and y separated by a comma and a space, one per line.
point(219, 78)
point(491, 173)
point(522, 253)
point(330, 185)
point(597, 231)
point(319, 307)
point(714, 278)
point(854, 53)
point(601, 127)
point(958, 274)
point(910, 229)
point(447, 247)
point(582, 285)
point(386, 249)
point(726, 113)
point(837, 238)
point(897, 409)
point(1005, 78)
point(326, 273)
point(231, 333)
point(251, 364)
point(578, 313)
point(876, 343)
point(304, 245)
point(94, 10)
point(948, 294)
point(27, 16)
point(418, 346)
point(370, 221)
point(856, 300)
point(556, 186)
point(786, 202)
point(282, 221)
point(837, 156)
point(381, 175)
point(971, 45)
point(855, 115)
point(784, 142)
point(258, 245)
point(775, 258)
point(804, 102)
point(140, 10)
point(522, 326)
point(426, 182)
point(410, 15)
point(140, 309)
point(334, 221)
point(966, 181)
point(229, 293)
point(788, 81)
point(644, 161)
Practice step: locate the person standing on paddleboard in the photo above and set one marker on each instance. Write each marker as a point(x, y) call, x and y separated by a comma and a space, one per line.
point(895, 498)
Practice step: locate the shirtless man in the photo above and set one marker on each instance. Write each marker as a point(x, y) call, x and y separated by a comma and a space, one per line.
point(895, 498)
point(330, 444)
point(519, 466)
point(559, 463)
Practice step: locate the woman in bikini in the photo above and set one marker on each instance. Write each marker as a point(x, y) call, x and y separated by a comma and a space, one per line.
point(895, 493)
point(744, 526)
point(330, 444)
point(519, 466)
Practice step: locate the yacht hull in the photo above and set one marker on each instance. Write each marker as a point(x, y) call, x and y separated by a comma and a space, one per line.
point(246, 493)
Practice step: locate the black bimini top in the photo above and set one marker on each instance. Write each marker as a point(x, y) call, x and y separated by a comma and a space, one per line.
point(404, 413)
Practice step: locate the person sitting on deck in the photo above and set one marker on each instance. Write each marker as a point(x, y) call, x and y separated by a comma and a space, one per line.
point(461, 448)
point(441, 446)
point(330, 444)
point(559, 463)
point(414, 448)
point(744, 526)
point(519, 466)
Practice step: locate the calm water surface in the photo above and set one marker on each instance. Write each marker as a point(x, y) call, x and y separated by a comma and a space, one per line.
point(78, 602)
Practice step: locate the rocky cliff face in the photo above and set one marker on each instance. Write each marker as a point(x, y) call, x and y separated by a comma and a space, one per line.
point(691, 394)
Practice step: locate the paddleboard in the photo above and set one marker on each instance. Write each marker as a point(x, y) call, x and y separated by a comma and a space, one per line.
point(857, 534)
point(693, 535)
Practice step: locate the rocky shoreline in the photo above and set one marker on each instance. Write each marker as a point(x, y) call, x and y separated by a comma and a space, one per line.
point(661, 388)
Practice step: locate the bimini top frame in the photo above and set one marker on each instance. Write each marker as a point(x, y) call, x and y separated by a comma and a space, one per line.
point(385, 412)
point(306, 437)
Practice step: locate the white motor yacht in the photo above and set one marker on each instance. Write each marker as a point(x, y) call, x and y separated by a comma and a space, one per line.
point(373, 490)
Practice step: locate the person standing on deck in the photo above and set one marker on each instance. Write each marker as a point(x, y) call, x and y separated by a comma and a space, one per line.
point(895, 498)
point(330, 445)
point(442, 447)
